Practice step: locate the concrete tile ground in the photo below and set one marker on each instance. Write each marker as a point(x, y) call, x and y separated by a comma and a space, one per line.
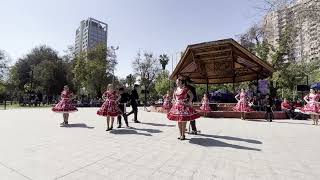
point(34, 146)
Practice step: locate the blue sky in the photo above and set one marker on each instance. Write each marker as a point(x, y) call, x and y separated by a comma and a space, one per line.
point(158, 26)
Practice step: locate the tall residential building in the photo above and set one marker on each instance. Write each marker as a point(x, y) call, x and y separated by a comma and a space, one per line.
point(90, 33)
point(304, 20)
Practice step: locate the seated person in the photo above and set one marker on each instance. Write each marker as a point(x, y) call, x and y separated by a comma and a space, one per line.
point(285, 106)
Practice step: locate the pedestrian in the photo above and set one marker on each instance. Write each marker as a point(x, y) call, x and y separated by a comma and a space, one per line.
point(286, 107)
point(65, 105)
point(110, 107)
point(134, 99)
point(194, 99)
point(269, 108)
point(182, 110)
point(124, 98)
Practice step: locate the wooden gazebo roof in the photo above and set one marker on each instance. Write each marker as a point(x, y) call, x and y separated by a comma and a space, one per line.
point(218, 62)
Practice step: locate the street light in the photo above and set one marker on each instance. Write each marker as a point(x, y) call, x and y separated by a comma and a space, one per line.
point(113, 58)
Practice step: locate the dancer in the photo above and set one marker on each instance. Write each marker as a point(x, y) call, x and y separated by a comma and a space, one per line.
point(182, 110)
point(110, 107)
point(205, 107)
point(134, 103)
point(167, 102)
point(312, 107)
point(124, 98)
point(242, 105)
point(65, 105)
point(194, 99)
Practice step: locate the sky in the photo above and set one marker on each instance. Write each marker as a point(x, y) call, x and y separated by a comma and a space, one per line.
point(157, 26)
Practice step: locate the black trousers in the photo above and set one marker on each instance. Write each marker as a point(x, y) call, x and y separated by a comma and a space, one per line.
point(193, 125)
point(125, 117)
point(269, 114)
point(134, 111)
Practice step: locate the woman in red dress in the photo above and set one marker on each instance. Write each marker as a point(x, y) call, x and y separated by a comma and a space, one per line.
point(243, 104)
point(182, 110)
point(312, 107)
point(205, 107)
point(167, 102)
point(65, 105)
point(110, 107)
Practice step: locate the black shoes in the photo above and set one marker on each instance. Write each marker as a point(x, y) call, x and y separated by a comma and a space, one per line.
point(136, 121)
point(109, 129)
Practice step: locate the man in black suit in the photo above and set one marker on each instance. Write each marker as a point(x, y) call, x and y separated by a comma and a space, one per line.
point(124, 98)
point(134, 98)
point(195, 99)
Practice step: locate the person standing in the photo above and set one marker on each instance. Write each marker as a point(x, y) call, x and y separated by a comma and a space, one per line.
point(65, 105)
point(312, 107)
point(124, 98)
point(194, 99)
point(134, 98)
point(269, 108)
point(243, 104)
point(205, 106)
point(286, 107)
point(182, 110)
point(110, 107)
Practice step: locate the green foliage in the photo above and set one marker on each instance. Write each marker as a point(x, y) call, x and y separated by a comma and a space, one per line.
point(163, 59)
point(90, 71)
point(162, 83)
point(41, 69)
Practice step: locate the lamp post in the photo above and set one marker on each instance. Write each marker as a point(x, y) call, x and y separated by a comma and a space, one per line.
point(112, 60)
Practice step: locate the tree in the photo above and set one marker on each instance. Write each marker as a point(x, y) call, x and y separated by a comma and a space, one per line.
point(162, 83)
point(41, 69)
point(163, 59)
point(130, 80)
point(147, 68)
point(4, 59)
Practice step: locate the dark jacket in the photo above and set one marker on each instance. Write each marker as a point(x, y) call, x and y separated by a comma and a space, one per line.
point(124, 98)
point(193, 91)
point(134, 97)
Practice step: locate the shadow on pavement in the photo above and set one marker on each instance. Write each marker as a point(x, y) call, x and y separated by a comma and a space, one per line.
point(292, 123)
point(208, 142)
point(128, 131)
point(79, 125)
point(232, 138)
point(155, 124)
point(148, 130)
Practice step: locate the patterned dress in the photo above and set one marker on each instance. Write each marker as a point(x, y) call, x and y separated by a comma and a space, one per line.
point(243, 104)
point(167, 102)
point(65, 105)
point(110, 106)
point(205, 107)
point(181, 109)
point(313, 106)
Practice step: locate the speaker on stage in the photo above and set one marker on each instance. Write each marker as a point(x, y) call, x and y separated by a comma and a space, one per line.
point(302, 88)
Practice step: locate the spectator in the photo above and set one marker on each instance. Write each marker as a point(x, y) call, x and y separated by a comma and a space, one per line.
point(286, 107)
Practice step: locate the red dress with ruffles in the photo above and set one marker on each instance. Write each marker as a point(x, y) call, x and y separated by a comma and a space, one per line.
point(313, 106)
point(205, 107)
point(110, 106)
point(181, 109)
point(166, 102)
point(65, 105)
point(243, 104)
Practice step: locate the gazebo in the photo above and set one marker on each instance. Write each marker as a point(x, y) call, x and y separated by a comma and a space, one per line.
point(220, 62)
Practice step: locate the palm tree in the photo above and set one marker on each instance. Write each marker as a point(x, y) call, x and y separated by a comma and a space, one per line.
point(164, 59)
point(130, 79)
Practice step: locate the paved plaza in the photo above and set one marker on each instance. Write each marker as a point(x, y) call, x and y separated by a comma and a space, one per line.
point(34, 146)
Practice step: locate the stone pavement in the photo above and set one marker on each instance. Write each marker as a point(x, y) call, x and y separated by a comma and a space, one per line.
point(33, 146)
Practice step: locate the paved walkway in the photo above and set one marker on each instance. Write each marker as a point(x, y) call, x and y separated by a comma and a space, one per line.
point(33, 146)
